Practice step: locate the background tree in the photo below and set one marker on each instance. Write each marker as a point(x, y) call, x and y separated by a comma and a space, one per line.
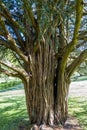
point(44, 38)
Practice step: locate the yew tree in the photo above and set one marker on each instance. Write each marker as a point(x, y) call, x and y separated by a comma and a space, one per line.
point(46, 41)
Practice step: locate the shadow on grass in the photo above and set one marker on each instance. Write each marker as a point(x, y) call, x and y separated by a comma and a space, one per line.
point(78, 108)
point(13, 114)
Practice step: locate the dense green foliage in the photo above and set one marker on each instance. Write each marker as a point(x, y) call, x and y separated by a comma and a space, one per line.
point(79, 78)
point(9, 85)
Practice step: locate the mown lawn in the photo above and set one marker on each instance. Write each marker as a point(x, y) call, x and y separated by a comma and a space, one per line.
point(78, 109)
point(13, 113)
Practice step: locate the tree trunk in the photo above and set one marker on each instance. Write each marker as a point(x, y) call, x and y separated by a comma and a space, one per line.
point(61, 105)
point(40, 104)
point(61, 94)
point(46, 90)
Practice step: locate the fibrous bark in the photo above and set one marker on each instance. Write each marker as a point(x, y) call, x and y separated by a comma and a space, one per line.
point(46, 89)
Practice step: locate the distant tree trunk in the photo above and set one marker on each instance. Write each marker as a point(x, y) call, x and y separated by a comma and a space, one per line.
point(46, 89)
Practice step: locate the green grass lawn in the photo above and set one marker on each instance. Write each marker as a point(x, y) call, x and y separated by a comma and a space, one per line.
point(78, 108)
point(13, 113)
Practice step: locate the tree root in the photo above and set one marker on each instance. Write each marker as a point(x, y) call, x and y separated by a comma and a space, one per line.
point(45, 127)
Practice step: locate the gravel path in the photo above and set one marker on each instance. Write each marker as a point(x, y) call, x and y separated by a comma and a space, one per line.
point(78, 89)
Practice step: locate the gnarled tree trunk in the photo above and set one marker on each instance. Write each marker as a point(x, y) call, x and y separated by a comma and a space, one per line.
point(46, 89)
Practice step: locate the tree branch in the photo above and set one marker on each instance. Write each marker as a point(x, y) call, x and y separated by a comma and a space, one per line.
point(6, 14)
point(70, 46)
point(11, 41)
point(15, 72)
point(12, 67)
point(79, 12)
point(4, 42)
point(81, 44)
point(30, 14)
point(11, 44)
point(72, 67)
point(16, 49)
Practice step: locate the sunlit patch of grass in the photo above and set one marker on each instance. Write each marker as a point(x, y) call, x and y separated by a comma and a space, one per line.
point(13, 113)
point(78, 108)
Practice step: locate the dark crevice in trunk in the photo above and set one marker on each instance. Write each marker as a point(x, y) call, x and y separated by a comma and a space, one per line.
point(55, 85)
